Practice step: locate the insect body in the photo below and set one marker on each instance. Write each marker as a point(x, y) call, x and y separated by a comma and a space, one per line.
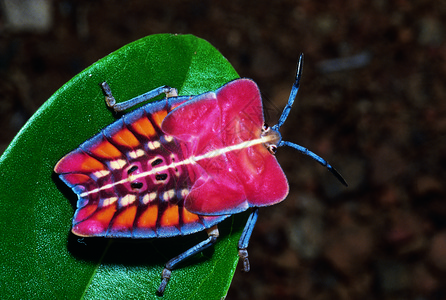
point(179, 166)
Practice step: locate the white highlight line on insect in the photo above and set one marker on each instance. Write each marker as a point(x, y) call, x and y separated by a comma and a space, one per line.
point(187, 161)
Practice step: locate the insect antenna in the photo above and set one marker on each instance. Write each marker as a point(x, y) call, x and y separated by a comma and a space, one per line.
point(316, 157)
point(284, 116)
point(293, 94)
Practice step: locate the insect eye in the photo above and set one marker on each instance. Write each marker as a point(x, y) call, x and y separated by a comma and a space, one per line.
point(272, 149)
point(265, 127)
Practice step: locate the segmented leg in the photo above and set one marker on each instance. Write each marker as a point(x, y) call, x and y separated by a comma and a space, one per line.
point(244, 238)
point(117, 107)
point(170, 265)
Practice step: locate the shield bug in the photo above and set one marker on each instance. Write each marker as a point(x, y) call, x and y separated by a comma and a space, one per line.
point(180, 165)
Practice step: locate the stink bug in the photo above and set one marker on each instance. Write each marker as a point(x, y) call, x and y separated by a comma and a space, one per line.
point(180, 165)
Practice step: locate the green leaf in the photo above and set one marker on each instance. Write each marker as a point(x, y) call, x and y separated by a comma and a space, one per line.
point(40, 258)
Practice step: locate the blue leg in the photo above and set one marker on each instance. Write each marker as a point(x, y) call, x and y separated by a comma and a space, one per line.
point(244, 238)
point(117, 107)
point(170, 265)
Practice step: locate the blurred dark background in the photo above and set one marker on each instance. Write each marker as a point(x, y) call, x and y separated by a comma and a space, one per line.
point(372, 102)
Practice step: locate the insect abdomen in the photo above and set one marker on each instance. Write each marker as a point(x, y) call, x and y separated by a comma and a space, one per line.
point(130, 181)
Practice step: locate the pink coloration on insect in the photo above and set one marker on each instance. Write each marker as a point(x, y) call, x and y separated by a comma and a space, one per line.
point(227, 182)
point(179, 166)
point(142, 174)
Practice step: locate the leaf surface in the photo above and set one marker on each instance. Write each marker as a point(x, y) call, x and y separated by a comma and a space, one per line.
point(40, 258)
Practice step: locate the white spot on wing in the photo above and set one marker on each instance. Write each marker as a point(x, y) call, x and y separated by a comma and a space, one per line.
point(117, 164)
point(136, 153)
point(153, 145)
point(100, 174)
point(109, 201)
point(140, 152)
point(168, 138)
point(184, 193)
point(168, 195)
point(149, 198)
point(127, 200)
